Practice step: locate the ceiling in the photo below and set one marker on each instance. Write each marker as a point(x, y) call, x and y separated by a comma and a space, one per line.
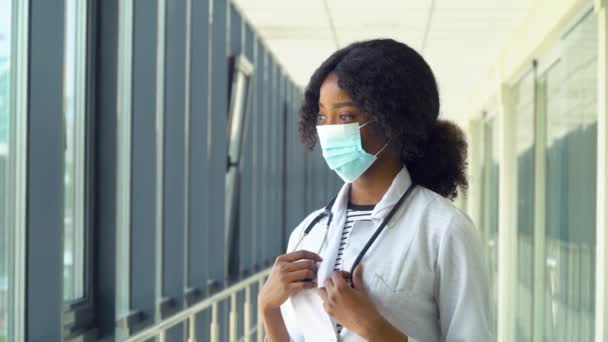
point(460, 39)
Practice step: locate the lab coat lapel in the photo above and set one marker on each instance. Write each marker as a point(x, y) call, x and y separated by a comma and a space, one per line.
point(330, 253)
point(313, 320)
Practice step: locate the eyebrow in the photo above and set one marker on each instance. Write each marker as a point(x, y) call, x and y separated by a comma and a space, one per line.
point(341, 104)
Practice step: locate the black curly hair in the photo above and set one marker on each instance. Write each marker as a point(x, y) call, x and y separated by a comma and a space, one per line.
point(393, 84)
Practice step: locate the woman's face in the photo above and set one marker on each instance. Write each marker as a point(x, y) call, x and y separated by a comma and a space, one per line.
point(336, 107)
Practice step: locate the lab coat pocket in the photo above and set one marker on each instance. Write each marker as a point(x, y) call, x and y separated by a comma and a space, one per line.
point(406, 286)
point(405, 309)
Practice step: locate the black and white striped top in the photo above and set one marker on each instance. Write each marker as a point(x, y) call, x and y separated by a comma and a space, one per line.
point(353, 213)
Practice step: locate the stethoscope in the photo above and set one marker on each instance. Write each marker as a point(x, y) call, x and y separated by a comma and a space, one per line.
point(328, 213)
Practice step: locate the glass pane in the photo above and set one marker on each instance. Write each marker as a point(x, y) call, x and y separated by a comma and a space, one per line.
point(489, 204)
point(5, 96)
point(73, 255)
point(569, 91)
point(523, 94)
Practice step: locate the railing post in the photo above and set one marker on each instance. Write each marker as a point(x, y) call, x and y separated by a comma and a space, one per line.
point(214, 327)
point(233, 318)
point(192, 329)
point(260, 325)
point(189, 315)
point(247, 315)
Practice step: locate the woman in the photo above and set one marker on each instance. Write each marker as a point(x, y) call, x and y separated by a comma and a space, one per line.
point(415, 260)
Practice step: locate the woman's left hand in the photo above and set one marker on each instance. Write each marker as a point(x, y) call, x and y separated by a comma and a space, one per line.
point(350, 306)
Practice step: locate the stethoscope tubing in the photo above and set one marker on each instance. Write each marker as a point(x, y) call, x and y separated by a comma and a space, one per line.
point(327, 212)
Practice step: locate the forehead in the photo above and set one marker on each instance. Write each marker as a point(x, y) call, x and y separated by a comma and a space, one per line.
point(330, 92)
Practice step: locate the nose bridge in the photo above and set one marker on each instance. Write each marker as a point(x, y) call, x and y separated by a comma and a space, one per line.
point(332, 120)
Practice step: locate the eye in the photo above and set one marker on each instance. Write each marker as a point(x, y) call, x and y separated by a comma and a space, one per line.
point(346, 117)
point(320, 117)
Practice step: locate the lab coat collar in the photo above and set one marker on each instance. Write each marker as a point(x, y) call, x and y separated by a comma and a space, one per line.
point(399, 186)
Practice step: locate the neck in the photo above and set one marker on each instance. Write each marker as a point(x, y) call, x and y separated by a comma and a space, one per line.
point(374, 183)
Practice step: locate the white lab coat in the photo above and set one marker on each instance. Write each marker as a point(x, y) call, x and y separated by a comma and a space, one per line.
point(426, 272)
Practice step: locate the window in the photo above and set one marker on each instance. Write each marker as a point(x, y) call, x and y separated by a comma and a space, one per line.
point(5, 123)
point(77, 253)
point(74, 150)
point(241, 71)
point(568, 93)
point(489, 200)
point(123, 219)
point(523, 101)
point(13, 87)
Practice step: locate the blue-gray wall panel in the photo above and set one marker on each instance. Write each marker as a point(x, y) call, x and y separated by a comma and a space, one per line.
point(235, 31)
point(44, 295)
point(174, 160)
point(105, 165)
point(263, 157)
point(199, 179)
point(217, 139)
point(144, 159)
point(258, 140)
point(249, 41)
point(269, 123)
point(245, 216)
point(199, 166)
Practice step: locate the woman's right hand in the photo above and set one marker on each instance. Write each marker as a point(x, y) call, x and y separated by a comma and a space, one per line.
point(290, 273)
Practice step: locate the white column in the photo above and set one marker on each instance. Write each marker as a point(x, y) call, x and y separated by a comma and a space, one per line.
point(601, 291)
point(475, 161)
point(540, 172)
point(507, 219)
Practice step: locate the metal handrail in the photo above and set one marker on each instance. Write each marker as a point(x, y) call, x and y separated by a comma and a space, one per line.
point(161, 327)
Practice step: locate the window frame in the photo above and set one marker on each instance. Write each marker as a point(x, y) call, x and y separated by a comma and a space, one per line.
point(241, 72)
point(79, 314)
point(17, 170)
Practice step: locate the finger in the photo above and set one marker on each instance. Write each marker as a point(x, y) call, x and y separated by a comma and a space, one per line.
point(323, 294)
point(332, 291)
point(329, 285)
point(301, 275)
point(302, 285)
point(299, 255)
point(358, 277)
point(338, 280)
point(299, 265)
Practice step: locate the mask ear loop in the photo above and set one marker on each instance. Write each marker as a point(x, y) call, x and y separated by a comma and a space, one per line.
point(385, 145)
point(382, 149)
point(367, 123)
